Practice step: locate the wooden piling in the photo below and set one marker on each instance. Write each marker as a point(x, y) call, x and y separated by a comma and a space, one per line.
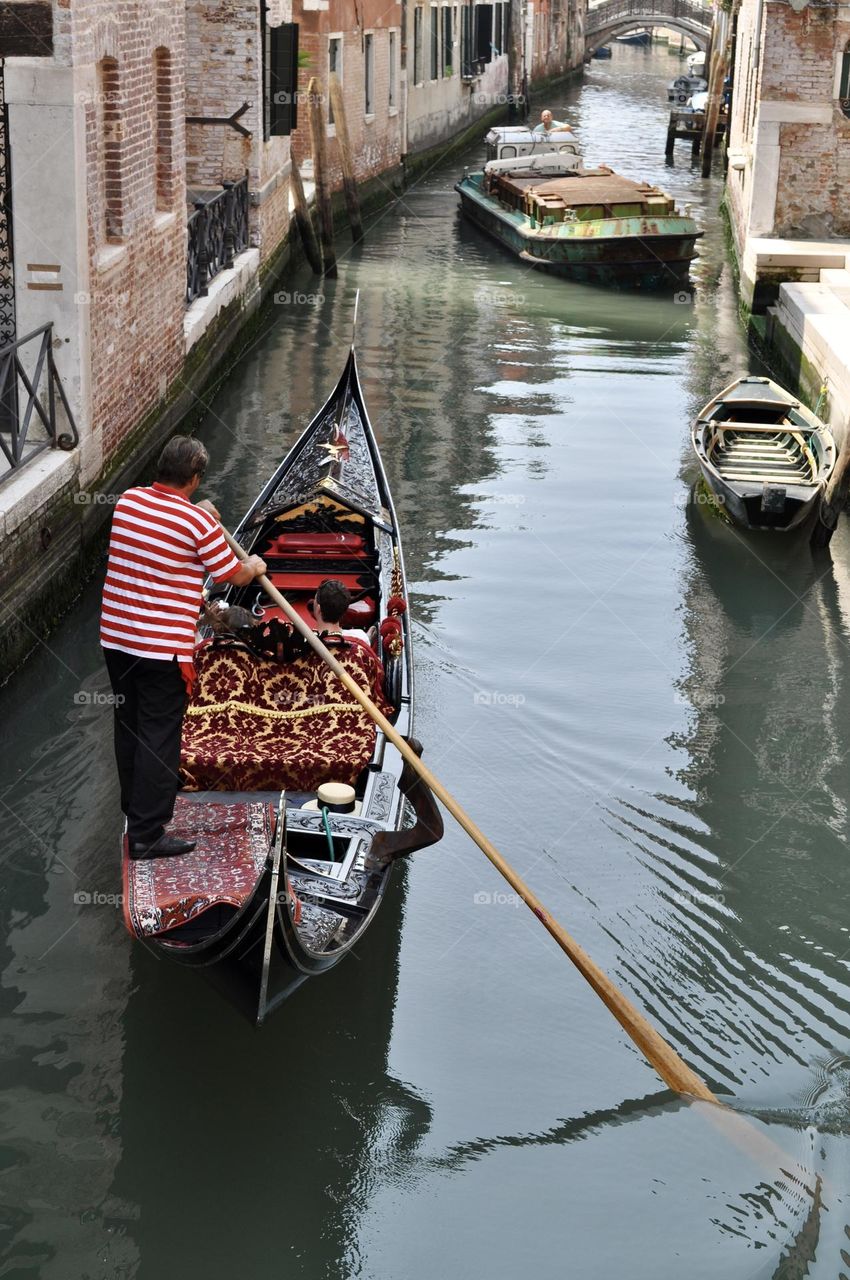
point(316, 101)
point(304, 222)
point(712, 108)
point(517, 79)
point(834, 499)
point(349, 182)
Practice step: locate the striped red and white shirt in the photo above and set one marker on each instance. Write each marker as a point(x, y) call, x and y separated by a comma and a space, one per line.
point(161, 548)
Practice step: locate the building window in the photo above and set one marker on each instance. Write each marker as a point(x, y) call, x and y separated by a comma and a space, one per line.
point(497, 30)
point(111, 134)
point(435, 42)
point(417, 44)
point(393, 76)
point(164, 139)
point(369, 74)
point(844, 85)
point(483, 33)
point(280, 57)
point(446, 42)
point(334, 67)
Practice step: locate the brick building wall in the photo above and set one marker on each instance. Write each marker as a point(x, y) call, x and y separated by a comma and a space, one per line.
point(136, 233)
point(557, 39)
point(788, 141)
point(802, 51)
point(376, 134)
point(224, 70)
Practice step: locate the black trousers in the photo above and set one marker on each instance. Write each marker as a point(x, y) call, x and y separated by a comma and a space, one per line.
point(150, 702)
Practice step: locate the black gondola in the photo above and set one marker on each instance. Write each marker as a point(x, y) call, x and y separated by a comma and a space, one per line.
point(280, 887)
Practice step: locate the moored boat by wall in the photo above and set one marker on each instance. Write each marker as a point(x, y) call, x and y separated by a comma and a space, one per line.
point(536, 198)
point(764, 455)
point(642, 38)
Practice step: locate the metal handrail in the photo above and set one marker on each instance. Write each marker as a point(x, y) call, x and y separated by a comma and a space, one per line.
point(216, 232)
point(16, 444)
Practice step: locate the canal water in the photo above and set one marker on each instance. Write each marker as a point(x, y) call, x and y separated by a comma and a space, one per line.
point(647, 712)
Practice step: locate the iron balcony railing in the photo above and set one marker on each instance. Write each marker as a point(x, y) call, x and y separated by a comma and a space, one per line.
point(218, 230)
point(28, 420)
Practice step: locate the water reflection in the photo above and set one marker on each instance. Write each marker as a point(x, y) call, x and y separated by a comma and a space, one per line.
point(255, 1153)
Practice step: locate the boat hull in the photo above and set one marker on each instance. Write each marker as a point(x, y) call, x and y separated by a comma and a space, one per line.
point(650, 253)
point(743, 504)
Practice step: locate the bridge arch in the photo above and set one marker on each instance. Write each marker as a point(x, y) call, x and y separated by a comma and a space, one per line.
point(595, 40)
point(616, 17)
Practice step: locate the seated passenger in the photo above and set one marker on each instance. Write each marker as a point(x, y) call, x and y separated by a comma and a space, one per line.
point(329, 607)
point(548, 125)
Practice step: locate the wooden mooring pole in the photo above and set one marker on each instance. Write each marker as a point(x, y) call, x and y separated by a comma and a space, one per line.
point(304, 222)
point(349, 182)
point(716, 76)
point(316, 102)
point(834, 499)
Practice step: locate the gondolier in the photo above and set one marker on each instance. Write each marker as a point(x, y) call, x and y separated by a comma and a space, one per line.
point(161, 548)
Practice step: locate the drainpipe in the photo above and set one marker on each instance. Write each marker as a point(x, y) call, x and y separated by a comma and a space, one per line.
point(402, 77)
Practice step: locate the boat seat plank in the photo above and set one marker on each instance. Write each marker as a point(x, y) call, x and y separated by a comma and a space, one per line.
point(739, 447)
point(761, 428)
point(774, 460)
point(763, 477)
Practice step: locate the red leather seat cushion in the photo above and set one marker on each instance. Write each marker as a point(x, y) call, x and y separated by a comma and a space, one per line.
point(314, 545)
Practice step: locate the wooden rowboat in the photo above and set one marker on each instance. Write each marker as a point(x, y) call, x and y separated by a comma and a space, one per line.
point(764, 455)
point(278, 888)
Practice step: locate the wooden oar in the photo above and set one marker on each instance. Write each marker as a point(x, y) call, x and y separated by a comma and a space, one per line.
point(671, 1068)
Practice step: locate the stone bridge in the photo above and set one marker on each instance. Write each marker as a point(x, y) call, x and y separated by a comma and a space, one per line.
point(615, 17)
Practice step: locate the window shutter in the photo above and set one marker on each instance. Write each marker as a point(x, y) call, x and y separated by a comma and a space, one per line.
point(466, 41)
point(283, 79)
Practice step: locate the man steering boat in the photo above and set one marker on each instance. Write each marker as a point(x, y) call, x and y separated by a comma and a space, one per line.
point(161, 548)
